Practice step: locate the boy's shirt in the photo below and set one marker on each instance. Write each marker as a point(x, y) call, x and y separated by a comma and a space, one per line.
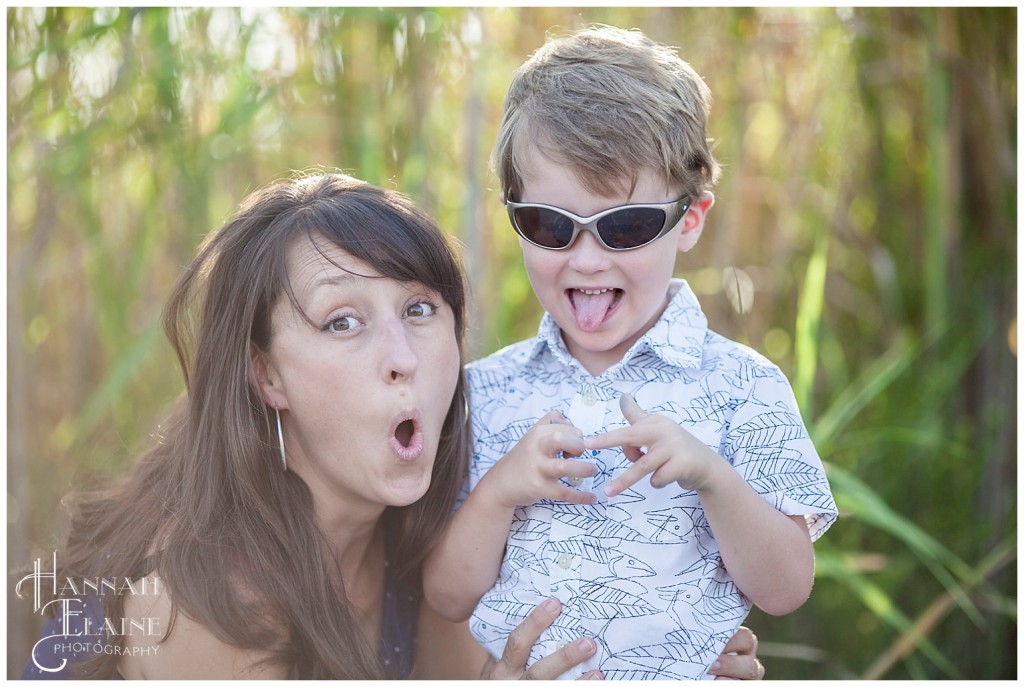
point(640, 572)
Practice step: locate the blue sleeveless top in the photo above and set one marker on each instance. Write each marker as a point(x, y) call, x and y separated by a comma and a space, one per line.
point(72, 646)
point(398, 626)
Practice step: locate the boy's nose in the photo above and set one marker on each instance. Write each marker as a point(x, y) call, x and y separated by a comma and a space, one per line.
point(587, 255)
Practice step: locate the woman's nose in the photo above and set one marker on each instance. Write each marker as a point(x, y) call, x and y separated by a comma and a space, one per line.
point(399, 358)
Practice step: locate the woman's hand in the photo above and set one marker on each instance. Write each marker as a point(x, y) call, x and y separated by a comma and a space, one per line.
point(739, 658)
point(512, 665)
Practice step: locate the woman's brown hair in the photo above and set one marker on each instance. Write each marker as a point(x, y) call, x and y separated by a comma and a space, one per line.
point(234, 538)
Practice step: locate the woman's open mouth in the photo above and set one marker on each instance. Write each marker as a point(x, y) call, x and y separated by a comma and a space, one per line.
point(406, 437)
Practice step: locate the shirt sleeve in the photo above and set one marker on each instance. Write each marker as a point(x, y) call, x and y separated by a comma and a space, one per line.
point(768, 444)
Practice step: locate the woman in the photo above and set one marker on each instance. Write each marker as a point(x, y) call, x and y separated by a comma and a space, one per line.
point(277, 527)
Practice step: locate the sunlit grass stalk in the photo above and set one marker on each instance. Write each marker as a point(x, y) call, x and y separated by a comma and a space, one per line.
point(868, 386)
point(859, 501)
point(111, 389)
point(882, 606)
point(874, 437)
point(863, 503)
point(936, 611)
point(808, 321)
point(877, 134)
point(938, 206)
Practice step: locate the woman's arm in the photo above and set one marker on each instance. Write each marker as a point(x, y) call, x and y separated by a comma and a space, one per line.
point(445, 650)
point(191, 651)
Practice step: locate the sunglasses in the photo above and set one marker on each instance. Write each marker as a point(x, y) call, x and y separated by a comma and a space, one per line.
point(620, 228)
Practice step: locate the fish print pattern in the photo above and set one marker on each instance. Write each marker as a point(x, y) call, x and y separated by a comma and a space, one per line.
point(641, 572)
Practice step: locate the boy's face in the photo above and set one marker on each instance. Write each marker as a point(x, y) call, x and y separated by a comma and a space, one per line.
point(603, 300)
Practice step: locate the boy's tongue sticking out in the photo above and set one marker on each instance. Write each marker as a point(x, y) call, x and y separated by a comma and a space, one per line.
point(592, 305)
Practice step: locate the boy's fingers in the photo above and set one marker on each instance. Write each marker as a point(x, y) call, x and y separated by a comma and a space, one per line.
point(660, 478)
point(631, 410)
point(570, 495)
point(564, 438)
point(555, 470)
point(646, 464)
point(571, 468)
point(616, 437)
point(632, 453)
point(553, 417)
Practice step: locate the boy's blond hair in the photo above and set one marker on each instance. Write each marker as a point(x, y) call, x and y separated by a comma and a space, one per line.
point(608, 103)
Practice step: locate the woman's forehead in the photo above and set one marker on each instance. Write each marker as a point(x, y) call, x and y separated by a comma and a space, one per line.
point(315, 256)
point(317, 265)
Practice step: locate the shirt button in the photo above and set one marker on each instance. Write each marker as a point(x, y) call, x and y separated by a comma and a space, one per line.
point(576, 481)
point(589, 397)
point(564, 561)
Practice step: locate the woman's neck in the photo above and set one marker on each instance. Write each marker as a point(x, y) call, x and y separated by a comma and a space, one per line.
point(361, 559)
point(354, 534)
point(351, 540)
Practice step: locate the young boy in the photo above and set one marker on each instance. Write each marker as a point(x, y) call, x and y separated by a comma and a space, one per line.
point(605, 168)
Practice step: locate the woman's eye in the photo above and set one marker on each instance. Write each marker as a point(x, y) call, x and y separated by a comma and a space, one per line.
point(343, 324)
point(421, 309)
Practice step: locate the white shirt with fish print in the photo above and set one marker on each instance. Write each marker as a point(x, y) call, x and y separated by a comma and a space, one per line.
point(640, 572)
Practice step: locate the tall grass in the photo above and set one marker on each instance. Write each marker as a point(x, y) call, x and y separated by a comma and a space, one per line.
point(868, 195)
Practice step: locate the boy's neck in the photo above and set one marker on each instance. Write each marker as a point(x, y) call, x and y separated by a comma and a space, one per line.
point(595, 362)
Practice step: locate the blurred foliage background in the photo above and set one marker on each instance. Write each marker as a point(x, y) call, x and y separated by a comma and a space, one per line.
point(864, 238)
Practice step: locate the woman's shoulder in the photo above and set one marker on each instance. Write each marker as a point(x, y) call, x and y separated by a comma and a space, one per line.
point(162, 642)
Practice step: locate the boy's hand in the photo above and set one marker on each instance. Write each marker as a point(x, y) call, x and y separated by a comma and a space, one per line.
point(672, 455)
point(532, 469)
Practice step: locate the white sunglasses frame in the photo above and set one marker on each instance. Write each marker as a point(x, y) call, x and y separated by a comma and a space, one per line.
point(674, 211)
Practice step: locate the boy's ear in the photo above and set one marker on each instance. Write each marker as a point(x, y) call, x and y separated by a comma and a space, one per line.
point(266, 379)
point(693, 220)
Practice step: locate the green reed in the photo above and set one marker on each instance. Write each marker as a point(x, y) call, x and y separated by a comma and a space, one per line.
point(868, 190)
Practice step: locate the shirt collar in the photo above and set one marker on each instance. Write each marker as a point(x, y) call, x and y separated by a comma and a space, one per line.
point(549, 336)
point(677, 337)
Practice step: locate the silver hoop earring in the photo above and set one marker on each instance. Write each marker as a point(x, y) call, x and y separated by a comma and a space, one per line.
point(280, 440)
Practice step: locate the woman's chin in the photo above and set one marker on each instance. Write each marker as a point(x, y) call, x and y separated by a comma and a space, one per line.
point(407, 490)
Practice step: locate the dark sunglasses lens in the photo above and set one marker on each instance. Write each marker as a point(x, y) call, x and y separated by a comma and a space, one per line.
point(544, 227)
point(631, 227)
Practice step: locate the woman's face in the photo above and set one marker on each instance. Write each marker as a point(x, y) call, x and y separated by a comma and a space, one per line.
point(365, 392)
